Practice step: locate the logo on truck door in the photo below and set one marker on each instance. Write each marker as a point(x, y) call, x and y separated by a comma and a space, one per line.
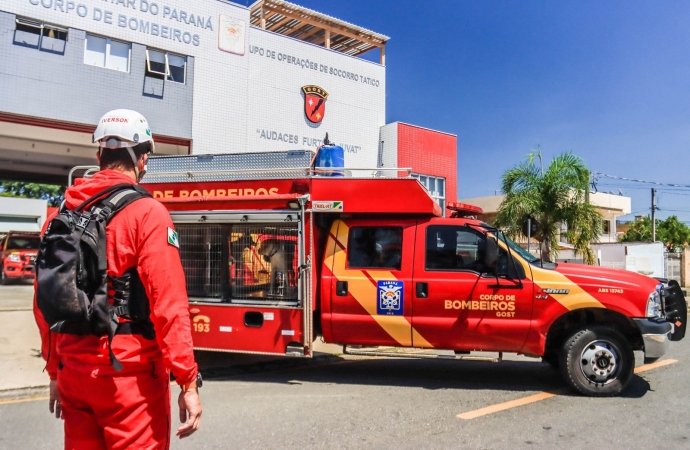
point(390, 297)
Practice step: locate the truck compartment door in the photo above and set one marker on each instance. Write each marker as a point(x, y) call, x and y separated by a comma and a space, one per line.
point(244, 281)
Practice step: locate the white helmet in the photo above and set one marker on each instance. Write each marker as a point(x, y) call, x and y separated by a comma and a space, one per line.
point(122, 128)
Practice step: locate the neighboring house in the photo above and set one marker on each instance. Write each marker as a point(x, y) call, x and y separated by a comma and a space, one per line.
point(610, 206)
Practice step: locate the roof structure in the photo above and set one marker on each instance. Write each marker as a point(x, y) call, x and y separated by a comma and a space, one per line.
point(310, 26)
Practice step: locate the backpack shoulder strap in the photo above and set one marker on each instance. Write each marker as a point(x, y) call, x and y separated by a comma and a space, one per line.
point(94, 198)
point(118, 200)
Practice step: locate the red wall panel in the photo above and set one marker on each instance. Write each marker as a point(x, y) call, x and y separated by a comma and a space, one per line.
point(429, 152)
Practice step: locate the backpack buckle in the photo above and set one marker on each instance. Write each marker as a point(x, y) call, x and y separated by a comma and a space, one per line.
point(122, 311)
point(83, 221)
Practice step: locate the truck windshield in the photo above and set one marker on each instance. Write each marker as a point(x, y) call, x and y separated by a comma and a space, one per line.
point(513, 246)
point(23, 243)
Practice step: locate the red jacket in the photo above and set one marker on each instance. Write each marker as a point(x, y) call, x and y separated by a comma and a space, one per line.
point(136, 236)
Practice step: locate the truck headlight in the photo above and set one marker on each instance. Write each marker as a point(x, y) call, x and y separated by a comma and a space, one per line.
point(14, 257)
point(654, 304)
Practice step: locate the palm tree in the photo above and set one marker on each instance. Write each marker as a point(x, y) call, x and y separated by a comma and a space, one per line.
point(555, 197)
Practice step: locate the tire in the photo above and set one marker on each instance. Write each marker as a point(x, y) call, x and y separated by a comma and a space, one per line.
point(597, 361)
point(4, 279)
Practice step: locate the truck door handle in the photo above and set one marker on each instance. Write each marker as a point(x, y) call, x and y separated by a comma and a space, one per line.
point(422, 290)
point(341, 288)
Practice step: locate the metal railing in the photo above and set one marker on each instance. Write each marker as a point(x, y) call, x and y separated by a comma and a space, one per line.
point(299, 172)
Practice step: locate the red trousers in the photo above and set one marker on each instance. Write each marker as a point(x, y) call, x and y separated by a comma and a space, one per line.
point(129, 410)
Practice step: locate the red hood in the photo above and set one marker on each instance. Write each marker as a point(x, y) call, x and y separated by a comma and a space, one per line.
point(618, 289)
point(84, 188)
point(607, 276)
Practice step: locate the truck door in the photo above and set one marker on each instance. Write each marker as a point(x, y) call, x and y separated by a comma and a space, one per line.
point(371, 288)
point(457, 303)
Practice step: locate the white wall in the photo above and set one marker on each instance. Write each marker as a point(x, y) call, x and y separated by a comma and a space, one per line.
point(355, 106)
point(22, 214)
point(647, 259)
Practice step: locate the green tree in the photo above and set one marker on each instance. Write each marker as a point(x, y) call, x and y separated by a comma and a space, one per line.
point(671, 231)
point(554, 197)
point(54, 194)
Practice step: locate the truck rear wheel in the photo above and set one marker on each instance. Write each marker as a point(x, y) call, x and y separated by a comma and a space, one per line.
point(597, 361)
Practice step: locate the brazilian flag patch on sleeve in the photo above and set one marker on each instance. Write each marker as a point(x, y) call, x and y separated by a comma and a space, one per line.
point(173, 238)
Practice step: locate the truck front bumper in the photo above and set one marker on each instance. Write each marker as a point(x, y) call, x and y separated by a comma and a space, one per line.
point(656, 336)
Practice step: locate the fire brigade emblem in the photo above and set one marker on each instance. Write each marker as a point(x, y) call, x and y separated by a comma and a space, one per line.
point(390, 297)
point(314, 103)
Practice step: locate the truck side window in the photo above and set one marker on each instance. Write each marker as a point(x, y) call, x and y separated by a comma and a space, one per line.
point(451, 247)
point(375, 247)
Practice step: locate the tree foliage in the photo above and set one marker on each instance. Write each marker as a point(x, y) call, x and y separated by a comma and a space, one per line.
point(54, 194)
point(559, 195)
point(671, 231)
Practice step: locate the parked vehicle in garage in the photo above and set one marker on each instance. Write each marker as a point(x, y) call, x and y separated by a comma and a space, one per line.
point(18, 250)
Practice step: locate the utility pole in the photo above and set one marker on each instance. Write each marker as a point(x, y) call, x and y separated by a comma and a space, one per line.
point(653, 214)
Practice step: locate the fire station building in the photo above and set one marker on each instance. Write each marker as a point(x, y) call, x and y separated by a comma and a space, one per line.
point(210, 76)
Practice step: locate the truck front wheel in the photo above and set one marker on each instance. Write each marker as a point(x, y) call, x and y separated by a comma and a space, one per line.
point(597, 361)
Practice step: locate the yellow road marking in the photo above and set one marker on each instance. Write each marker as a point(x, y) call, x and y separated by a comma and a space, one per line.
point(544, 395)
point(655, 365)
point(508, 405)
point(23, 400)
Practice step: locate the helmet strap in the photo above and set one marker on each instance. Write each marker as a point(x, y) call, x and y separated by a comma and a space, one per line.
point(134, 160)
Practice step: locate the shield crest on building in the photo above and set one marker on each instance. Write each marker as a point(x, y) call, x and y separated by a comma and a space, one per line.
point(314, 103)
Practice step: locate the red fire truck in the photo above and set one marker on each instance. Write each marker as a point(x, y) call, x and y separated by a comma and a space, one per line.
point(278, 254)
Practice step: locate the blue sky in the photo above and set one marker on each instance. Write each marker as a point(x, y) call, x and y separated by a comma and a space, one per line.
point(607, 81)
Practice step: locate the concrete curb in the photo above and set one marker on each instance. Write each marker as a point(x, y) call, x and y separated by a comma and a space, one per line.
point(24, 393)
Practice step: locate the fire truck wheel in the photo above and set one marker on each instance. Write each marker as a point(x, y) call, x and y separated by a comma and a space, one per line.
point(4, 279)
point(597, 361)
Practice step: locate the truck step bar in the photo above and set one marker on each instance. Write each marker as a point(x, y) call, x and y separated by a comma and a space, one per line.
point(418, 353)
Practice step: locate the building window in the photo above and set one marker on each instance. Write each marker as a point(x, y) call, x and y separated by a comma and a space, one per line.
point(166, 66)
point(606, 227)
point(39, 35)
point(107, 53)
point(436, 187)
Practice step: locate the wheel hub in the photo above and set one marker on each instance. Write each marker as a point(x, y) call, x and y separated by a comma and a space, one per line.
point(600, 361)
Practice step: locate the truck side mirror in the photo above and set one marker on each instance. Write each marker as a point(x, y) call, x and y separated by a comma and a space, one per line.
point(491, 253)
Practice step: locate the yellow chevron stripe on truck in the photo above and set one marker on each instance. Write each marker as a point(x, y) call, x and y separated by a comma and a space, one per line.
point(365, 292)
point(575, 299)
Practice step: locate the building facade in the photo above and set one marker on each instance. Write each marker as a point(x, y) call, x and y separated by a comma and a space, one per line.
point(209, 76)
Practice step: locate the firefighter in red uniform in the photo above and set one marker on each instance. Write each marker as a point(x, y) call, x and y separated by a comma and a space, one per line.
point(129, 409)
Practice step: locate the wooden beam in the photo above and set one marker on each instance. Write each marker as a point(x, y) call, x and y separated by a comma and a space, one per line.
point(328, 38)
point(280, 23)
point(334, 29)
point(383, 55)
point(364, 50)
point(352, 46)
point(310, 33)
point(263, 17)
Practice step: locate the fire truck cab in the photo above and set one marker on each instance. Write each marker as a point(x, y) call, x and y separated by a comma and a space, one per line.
point(277, 255)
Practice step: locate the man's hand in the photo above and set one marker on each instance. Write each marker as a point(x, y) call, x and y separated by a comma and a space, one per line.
point(54, 403)
point(190, 412)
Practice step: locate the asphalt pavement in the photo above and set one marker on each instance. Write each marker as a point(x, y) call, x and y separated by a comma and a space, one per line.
point(339, 401)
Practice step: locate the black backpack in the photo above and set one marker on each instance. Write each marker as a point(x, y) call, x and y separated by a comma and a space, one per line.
point(71, 273)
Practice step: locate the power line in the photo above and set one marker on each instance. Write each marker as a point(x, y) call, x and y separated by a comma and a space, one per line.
point(599, 174)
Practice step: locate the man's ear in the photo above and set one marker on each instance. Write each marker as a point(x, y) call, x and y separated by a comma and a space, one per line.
point(142, 162)
point(98, 156)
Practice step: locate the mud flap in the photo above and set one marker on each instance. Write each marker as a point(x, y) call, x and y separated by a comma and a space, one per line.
point(676, 309)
